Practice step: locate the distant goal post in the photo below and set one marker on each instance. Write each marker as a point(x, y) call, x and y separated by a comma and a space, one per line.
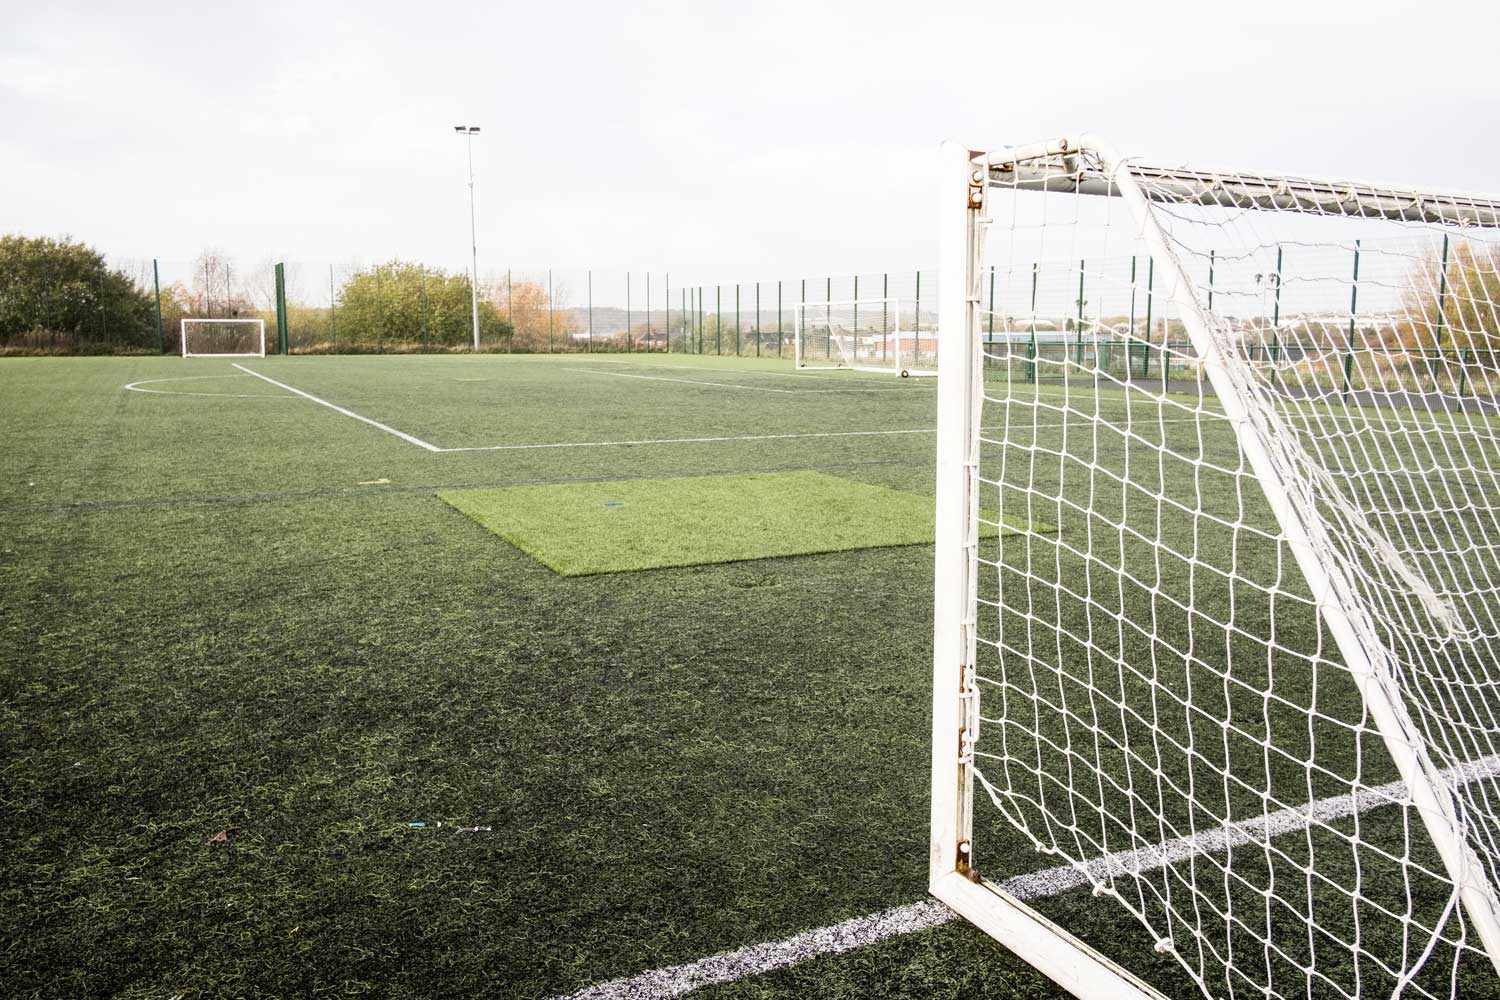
point(223, 338)
point(861, 335)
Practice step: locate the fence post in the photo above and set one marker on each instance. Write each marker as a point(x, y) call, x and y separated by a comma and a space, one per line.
point(1031, 351)
point(627, 312)
point(885, 316)
point(1150, 276)
point(1211, 281)
point(1131, 338)
point(281, 306)
point(161, 337)
point(591, 310)
point(1437, 340)
point(1276, 319)
point(379, 314)
point(549, 310)
point(333, 322)
point(916, 328)
point(856, 317)
point(828, 298)
point(422, 303)
point(757, 319)
point(1353, 306)
point(736, 319)
point(779, 320)
point(1078, 322)
point(719, 321)
point(989, 337)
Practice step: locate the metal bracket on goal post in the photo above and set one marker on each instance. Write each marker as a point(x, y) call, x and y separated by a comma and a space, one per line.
point(953, 877)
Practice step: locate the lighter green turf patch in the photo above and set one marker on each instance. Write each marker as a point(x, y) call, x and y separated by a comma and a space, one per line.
point(579, 529)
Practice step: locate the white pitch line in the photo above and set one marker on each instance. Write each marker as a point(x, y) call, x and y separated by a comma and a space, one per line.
point(692, 440)
point(136, 387)
point(732, 385)
point(756, 371)
point(687, 381)
point(759, 959)
point(339, 409)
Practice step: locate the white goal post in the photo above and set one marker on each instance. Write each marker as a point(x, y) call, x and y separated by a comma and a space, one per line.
point(223, 338)
point(1217, 576)
point(860, 335)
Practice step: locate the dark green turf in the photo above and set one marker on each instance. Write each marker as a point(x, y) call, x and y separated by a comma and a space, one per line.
point(214, 616)
point(580, 529)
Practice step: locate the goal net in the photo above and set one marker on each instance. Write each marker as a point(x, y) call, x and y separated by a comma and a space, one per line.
point(1217, 618)
point(223, 338)
point(860, 334)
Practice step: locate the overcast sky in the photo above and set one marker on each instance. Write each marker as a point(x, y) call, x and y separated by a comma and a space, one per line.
point(720, 141)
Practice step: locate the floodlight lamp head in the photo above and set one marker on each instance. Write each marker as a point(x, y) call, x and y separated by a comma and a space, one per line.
point(458, 128)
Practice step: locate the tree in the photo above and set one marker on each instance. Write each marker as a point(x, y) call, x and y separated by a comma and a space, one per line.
point(1456, 308)
point(1450, 332)
point(399, 303)
point(62, 288)
point(539, 324)
point(217, 290)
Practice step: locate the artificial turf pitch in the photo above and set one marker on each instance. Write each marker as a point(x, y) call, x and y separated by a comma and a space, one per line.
point(244, 645)
point(580, 529)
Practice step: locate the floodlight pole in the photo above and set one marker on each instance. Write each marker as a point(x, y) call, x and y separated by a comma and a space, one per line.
point(469, 132)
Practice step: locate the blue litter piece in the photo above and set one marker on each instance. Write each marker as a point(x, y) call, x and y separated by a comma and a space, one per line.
point(613, 503)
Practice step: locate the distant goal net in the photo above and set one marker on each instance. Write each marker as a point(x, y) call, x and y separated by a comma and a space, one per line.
point(223, 338)
point(1217, 604)
point(861, 335)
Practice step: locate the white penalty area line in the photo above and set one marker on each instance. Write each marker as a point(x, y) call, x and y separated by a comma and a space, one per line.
point(734, 385)
point(871, 379)
point(339, 409)
point(691, 440)
point(539, 446)
point(759, 959)
point(579, 444)
point(686, 381)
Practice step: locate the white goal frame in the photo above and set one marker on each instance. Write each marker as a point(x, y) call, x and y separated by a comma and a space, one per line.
point(966, 178)
point(901, 351)
point(260, 337)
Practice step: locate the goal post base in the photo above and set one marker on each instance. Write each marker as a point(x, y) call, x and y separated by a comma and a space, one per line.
point(1052, 951)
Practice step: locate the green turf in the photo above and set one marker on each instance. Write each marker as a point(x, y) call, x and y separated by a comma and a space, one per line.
point(579, 529)
point(241, 611)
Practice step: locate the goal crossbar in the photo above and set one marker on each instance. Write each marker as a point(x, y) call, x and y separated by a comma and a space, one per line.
point(1057, 166)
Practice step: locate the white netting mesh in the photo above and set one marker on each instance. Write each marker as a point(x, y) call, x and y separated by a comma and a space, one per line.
point(1169, 698)
point(223, 337)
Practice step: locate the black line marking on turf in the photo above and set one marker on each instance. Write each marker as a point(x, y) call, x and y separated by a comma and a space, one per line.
point(252, 498)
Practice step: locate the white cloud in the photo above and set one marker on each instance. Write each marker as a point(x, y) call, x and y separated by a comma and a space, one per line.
point(717, 140)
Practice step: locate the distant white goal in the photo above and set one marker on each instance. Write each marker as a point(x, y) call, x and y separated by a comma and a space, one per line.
point(862, 335)
point(1217, 582)
point(223, 338)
